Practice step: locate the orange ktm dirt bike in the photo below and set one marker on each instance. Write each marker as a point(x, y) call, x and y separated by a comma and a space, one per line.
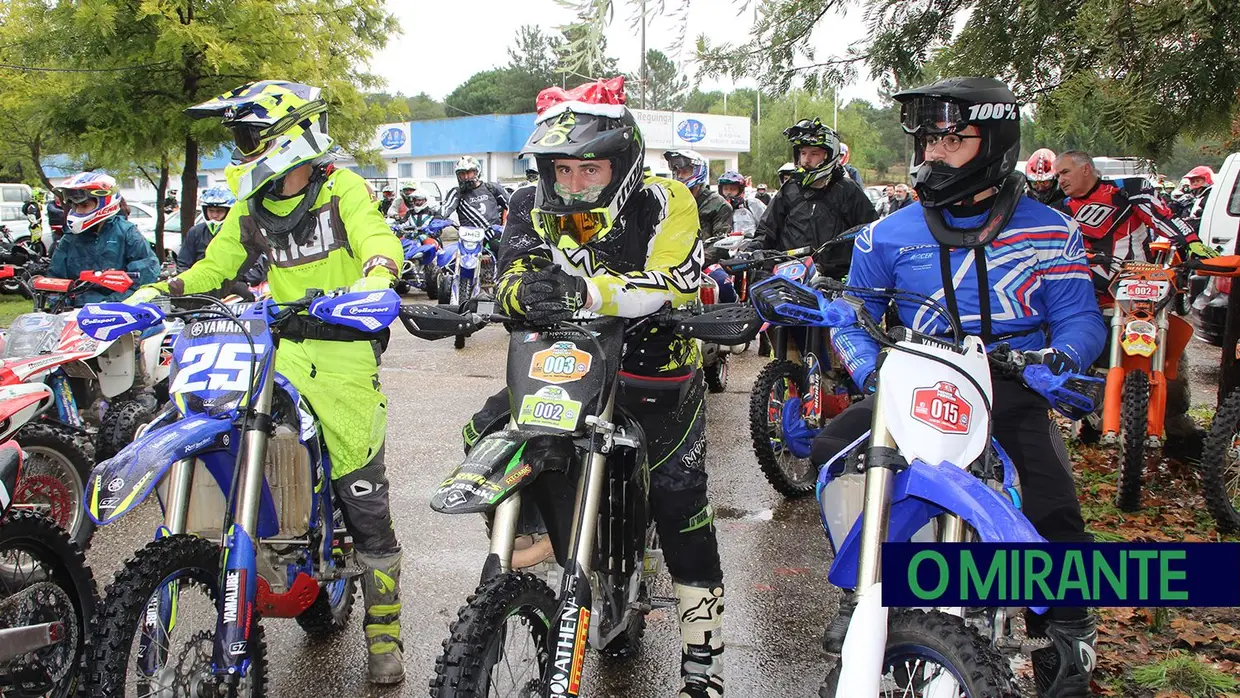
point(1146, 342)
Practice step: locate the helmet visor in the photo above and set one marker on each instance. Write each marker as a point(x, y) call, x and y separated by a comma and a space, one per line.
point(570, 230)
point(930, 115)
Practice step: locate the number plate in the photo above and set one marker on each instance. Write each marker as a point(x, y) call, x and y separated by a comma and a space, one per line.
point(794, 270)
point(1141, 290)
point(222, 366)
point(563, 362)
point(550, 407)
point(941, 408)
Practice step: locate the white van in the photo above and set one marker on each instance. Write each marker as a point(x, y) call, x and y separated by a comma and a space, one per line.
point(1220, 218)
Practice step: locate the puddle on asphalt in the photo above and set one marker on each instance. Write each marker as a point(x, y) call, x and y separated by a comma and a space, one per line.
point(732, 513)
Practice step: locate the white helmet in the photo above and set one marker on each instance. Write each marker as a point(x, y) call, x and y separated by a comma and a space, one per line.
point(465, 164)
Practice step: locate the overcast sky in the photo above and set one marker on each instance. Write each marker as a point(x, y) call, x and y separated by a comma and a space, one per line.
point(446, 41)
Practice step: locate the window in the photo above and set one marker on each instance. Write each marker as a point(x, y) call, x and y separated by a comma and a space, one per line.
point(368, 172)
point(135, 212)
point(520, 165)
point(203, 181)
point(13, 192)
point(405, 170)
point(1233, 204)
point(441, 168)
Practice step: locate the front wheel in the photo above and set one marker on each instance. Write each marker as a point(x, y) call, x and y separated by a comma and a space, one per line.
point(36, 553)
point(156, 628)
point(430, 281)
point(500, 641)
point(54, 475)
point(445, 287)
point(932, 653)
point(716, 374)
point(1134, 423)
point(779, 384)
point(1220, 465)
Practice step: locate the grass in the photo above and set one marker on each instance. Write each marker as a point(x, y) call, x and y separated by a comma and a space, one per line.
point(11, 307)
point(1202, 414)
point(1184, 673)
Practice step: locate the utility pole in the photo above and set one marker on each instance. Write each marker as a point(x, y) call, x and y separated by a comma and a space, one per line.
point(645, 78)
point(836, 105)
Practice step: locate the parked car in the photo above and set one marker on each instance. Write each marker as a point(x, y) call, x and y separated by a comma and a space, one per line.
point(143, 216)
point(1220, 221)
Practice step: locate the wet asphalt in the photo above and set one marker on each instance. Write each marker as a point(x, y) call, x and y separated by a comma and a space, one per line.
point(775, 555)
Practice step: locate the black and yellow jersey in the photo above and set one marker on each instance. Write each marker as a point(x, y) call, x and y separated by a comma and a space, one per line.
point(651, 257)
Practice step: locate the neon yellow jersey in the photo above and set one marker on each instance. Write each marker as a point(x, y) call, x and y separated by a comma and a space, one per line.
point(349, 238)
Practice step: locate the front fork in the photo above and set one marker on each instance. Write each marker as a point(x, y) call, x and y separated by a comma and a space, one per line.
point(1112, 406)
point(239, 574)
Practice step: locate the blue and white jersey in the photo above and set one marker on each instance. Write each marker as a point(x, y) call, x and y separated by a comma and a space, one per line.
point(1040, 291)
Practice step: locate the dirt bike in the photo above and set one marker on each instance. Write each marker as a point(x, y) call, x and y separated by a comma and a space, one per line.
point(47, 596)
point(250, 528)
point(795, 395)
point(467, 268)
point(927, 471)
point(1146, 342)
point(419, 269)
point(572, 453)
point(49, 348)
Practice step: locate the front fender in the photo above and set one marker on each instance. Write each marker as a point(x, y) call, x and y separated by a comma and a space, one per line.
point(122, 482)
point(922, 492)
point(446, 255)
point(492, 472)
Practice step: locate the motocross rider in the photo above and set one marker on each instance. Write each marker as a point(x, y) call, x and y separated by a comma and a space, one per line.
point(1122, 224)
point(746, 211)
point(1042, 181)
point(319, 229)
point(98, 238)
point(819, 203)
point(475, 202)
point(215, 203)
point(1011, 271)
point(849, 170)
point(691, 169)
point(596, 235)
point(389, 198)
point(1200, 182)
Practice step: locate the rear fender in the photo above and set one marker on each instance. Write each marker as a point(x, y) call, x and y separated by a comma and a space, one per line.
point(20, 403)
point(491, 473)
point(122, 482)
point(922, 492)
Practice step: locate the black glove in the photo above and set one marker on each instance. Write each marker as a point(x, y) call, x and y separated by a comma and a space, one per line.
point(547, 295)
point(1057, 361)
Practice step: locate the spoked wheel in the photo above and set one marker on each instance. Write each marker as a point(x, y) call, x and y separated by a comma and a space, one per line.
point(1220, 465)
point(1134, 423)
point(44, 578)
point(54, 474)
point(779, 382)
point(157, 624)
point(499, 643)
point(936, 654)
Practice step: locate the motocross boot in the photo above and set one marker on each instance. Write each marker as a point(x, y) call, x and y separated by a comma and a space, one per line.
point(385, 663)
point(700, 610)
point(1064, 668)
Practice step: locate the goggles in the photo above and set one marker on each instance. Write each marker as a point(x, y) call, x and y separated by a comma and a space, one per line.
point(248, 138)
point(930, 115)
point(81, 196)
point(570, 230)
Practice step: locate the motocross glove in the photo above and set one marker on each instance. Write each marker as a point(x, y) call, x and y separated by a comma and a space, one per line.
point(1058, 362)
point(1202, 250)
point(378, 274)
point(146, 294)
point(547, 295)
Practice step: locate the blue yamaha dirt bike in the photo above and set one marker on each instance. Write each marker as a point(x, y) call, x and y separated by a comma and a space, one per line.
point(419, 269)
point(927, 471)
point(250, 526)
point(467, 268)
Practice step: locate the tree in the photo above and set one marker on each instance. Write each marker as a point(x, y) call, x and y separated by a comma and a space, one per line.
point(422, 107)
point(1155, 69)
point(148, 61)
point(666, 88)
